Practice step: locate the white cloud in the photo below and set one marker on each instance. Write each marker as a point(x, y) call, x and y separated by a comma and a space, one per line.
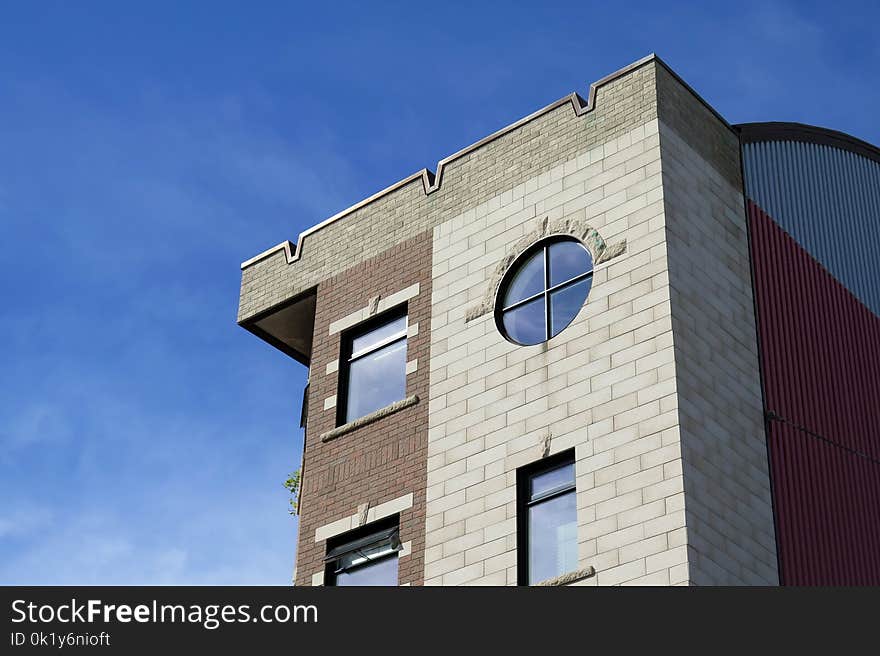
point(38, 423)
point(24, 521)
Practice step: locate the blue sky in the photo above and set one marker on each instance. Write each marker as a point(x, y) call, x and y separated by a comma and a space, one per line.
point(145, 152)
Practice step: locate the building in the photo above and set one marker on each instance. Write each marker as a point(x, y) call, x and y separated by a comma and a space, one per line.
point(704, 411)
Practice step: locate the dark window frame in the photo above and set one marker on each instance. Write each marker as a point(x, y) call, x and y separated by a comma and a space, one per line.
point(304, 411)
point(346, 357)
point(524, 476)
point(338, 543)
point(548, 289)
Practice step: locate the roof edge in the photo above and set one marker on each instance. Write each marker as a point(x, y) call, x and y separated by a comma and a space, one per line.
point(431, 181)
point(790, 131)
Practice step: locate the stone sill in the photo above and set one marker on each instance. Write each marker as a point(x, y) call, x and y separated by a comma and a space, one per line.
point(570, 577)
point(381, 413)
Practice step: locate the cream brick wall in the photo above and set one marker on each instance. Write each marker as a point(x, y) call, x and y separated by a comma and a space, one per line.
point(605, 386)
point(730, 530)
point(655, 384)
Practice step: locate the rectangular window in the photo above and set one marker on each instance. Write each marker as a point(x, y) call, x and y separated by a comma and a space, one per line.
point(373, 366)
point(366, 556)
point(546, 519)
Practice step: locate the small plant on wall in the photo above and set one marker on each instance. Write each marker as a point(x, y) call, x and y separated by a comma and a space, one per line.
point(292, 486)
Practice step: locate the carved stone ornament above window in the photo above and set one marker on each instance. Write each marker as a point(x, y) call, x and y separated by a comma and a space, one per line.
point(576, 228)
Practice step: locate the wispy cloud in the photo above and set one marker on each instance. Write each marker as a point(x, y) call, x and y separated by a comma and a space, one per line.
point(152, 497)
point(131, 408)
point(104, 549)
point(24, 521)
point(37, 424)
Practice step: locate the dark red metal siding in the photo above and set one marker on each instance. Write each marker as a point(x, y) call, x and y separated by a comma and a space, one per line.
point(820, 355)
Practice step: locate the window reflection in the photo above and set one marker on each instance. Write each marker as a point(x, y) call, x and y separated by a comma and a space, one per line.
point(526, 323)
point(527, 281)
point(552, 538)
point(568, 259)
point(374, 369)
point(376, 380)
point(383, 572)
point(548, 535)
point(566, 303)
point(544, 292)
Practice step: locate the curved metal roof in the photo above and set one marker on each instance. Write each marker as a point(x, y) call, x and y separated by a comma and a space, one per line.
point(788, 131)
point(823, 188)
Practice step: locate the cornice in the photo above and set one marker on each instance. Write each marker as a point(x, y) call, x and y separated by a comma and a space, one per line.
point(431, 181)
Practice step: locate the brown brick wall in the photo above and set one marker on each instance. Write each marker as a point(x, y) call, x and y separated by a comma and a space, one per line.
point(383, 460)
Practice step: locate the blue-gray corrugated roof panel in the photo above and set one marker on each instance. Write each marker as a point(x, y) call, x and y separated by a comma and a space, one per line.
point(828, 199)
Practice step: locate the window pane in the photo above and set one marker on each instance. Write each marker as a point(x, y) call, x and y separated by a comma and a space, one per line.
point(526, 323)
point(551, 480)
point(382, 572)
point(568, 259)
point(566, 303)
point(528, 280)
point(375, 380)
point(378, 334)
point(552, 538)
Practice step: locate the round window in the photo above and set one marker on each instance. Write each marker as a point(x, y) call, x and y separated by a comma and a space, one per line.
point(543, 290)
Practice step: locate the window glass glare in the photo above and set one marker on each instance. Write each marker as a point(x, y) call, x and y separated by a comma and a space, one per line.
point(528, 280)
point(362, 342)
point(551, 480)
point(568, 259)
point(552, 537)
point(525, 324)
point(565, 304)
point(376, 380)
point(379, 572)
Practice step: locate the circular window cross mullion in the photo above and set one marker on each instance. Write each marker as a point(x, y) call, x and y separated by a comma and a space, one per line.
point(546, 315)
point(530, 320)
point(528, 299)
point(546, 293)
point(570, 282)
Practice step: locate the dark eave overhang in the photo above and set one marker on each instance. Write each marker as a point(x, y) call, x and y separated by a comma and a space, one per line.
point(287, 326)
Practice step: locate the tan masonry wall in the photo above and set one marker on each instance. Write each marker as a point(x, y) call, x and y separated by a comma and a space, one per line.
point(731, 537)
point(605, 386)
point(656, 384)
